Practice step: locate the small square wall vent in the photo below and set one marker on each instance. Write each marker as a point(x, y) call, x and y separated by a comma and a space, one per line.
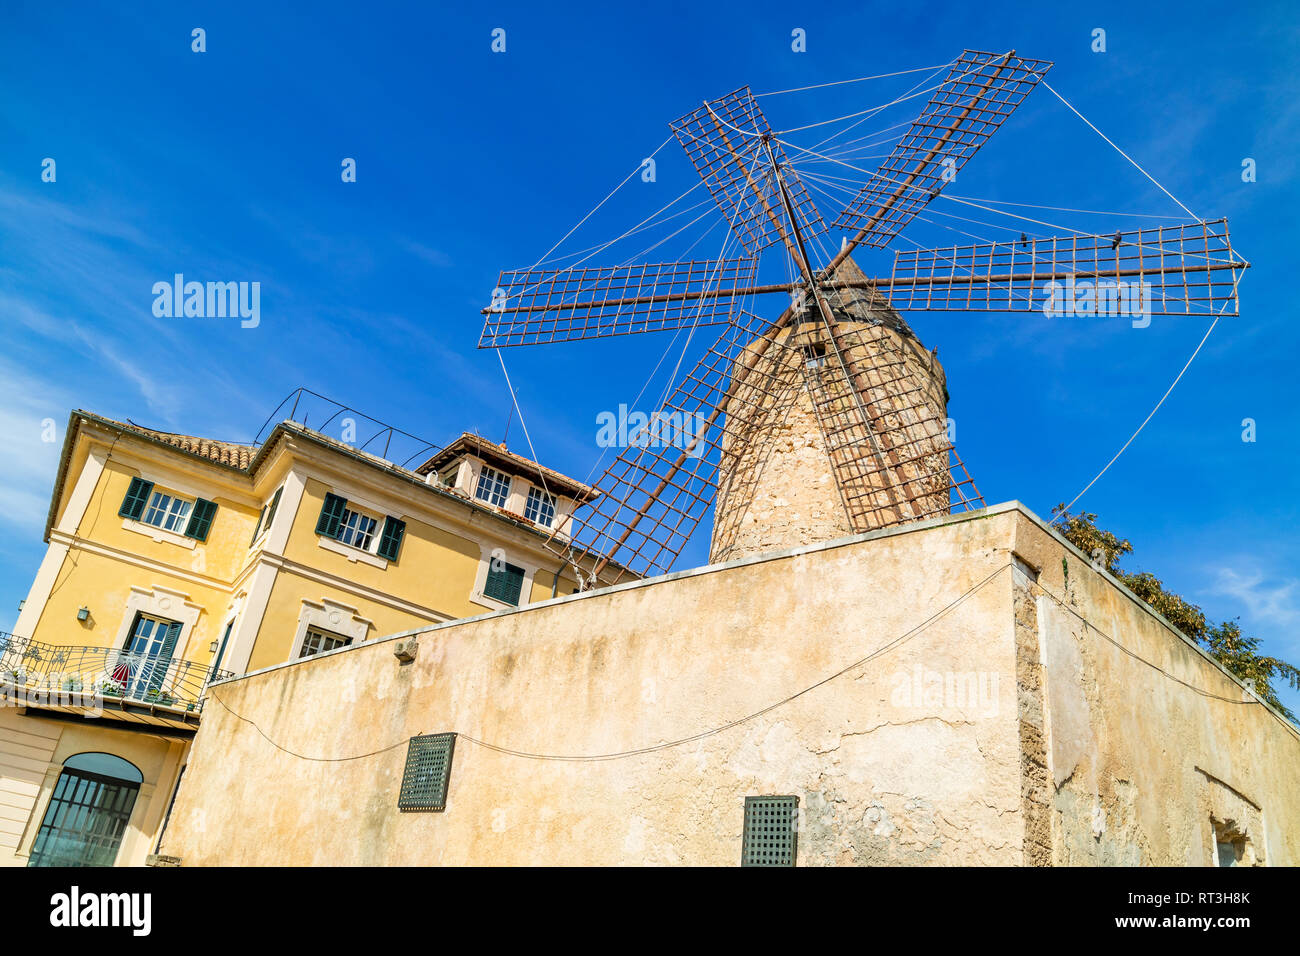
point(771, 831)
point(428, 768)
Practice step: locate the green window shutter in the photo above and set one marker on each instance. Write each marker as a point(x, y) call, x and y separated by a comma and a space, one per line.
point(275, 503)
point(137, 496)
point(390, 542)
point(267, 516)
point(504, 582)
point(258, 529)
point(154, 669)
point(169, 642)
point(331, 516)
point(201, 519)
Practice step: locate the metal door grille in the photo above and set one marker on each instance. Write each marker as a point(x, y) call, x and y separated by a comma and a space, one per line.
point(85, 820)
point(428, 768)
point(770, 831)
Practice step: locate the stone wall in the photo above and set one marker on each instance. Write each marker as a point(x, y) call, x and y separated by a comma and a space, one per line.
point(798, 466)
point(1150, 745)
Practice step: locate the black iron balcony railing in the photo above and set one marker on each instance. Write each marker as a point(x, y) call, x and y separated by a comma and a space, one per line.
point(103, 672)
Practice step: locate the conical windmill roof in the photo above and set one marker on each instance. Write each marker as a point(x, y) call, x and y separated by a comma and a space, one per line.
point(860, 304)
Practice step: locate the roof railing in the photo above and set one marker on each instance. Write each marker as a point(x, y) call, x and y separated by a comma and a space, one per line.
point(317, 412)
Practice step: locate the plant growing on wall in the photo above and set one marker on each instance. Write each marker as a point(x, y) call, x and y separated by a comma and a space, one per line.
point(1225, 642)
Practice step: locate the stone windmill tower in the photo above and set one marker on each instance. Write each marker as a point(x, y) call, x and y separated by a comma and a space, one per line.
point(830, 419)
point(790, 475)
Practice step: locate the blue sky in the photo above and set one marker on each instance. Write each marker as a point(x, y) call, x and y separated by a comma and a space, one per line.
point(225, 165)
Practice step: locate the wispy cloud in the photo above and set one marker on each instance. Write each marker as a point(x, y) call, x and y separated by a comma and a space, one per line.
point(1268, 600)
point(78, 289)
point(162, 398)
point(434, 257)
point(32, 416)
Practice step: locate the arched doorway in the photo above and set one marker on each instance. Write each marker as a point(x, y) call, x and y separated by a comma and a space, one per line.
point(88, 812)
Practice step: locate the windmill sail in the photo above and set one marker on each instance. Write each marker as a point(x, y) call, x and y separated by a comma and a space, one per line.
point(534, 306)
point(727, 141)
point(979, 93)
point(655, 493)
point(1170, 270)
point(881, 401)
point(831, 419)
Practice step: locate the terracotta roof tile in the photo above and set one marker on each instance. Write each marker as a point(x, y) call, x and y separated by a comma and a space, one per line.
point(222, 452)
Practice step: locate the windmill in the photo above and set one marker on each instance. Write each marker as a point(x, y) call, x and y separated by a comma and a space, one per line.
point(839, 363)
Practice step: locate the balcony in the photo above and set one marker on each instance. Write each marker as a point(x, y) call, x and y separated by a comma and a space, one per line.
point(102, 680)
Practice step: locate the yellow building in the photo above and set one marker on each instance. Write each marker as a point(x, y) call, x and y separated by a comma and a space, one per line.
point(173, 559)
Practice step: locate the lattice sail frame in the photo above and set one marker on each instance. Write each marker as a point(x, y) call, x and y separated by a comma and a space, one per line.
point(979, 93)
point(654, 495)
point(890, 449)
point(537, 306)
point(727, 141)
point(893, 458)
point(1186, 269)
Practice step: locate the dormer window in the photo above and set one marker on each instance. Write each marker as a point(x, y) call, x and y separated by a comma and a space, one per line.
point(540, 507)
point(493, 487)
point(512, 486)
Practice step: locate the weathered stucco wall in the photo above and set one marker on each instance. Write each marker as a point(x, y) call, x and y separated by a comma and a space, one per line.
point(883, 775)
point(972, 735)
point(1151, 745)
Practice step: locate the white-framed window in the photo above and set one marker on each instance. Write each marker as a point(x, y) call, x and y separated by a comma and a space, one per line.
point(357, 529)
point(318, 639)
point(327, 625)
point(540, 507)
point(368, 536)
point(493, 487)
point(167, 511)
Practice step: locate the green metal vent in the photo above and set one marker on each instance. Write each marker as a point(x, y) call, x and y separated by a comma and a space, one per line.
point(771, 833)
point(428, 768)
